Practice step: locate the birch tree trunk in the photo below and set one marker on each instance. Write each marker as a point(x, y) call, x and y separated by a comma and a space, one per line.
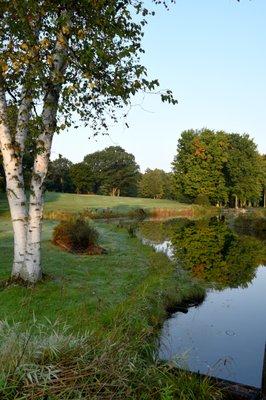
point(32, 270)
point(20, 237)
point(12, 161)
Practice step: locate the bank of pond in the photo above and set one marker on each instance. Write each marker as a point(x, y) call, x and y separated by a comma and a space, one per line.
point(222, 336)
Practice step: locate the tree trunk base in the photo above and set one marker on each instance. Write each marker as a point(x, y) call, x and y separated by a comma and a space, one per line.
point(19, 281)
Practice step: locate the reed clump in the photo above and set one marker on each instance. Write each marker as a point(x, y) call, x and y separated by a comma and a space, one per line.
point(77, 236)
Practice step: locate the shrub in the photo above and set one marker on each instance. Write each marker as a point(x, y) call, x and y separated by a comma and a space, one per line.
point(76, 235)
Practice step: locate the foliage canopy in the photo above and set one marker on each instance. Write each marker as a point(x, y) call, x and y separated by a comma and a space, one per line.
point(224, 168)
point(101, 42)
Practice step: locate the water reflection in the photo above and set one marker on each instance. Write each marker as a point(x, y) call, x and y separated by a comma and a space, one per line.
point(225, 335)
point(208, 248)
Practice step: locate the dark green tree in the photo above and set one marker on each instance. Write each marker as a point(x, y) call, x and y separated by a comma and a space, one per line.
point(219, 167)
point(242, 171)
point(156, 184)
point(58, 175)
point(198, 165)
point(113, 172)
point(81, 178)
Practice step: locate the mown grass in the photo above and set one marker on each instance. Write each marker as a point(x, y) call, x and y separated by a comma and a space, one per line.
point(61, 205)
point(64, 202)
point(113, 306)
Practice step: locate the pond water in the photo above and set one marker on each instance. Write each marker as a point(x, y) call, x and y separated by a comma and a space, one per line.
point(224, 336)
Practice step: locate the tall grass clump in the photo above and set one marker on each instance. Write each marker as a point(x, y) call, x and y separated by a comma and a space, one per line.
point(76, 235)
point(48, 362)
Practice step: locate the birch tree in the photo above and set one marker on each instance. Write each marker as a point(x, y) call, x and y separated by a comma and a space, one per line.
point(59, 62)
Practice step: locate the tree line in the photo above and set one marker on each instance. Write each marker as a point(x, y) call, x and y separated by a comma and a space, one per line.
point(219, 168)
point(210, 167)
point(111, 171)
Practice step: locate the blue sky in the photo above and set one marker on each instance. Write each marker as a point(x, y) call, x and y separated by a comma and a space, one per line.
point(212, 54)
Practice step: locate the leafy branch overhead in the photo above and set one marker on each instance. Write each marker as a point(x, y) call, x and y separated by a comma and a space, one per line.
point(101, 40)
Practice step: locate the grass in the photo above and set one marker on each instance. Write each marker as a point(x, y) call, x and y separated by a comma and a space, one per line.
point(84, 291)
point(60, 206)
point(89, 331)
point(64, 202)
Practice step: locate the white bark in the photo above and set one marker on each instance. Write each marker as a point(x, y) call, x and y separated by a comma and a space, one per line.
point(32, 270)
point(14, 186)
point(20, 236)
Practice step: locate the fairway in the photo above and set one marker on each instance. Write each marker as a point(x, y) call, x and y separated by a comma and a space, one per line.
point(75, 203)
point(78, 202)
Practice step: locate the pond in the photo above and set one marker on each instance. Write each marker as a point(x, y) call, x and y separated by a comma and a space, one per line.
point(224, 336)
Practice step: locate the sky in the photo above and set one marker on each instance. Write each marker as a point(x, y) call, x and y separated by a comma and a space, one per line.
point(212, 55)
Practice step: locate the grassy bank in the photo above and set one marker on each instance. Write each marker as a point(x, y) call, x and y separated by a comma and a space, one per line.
point(113, 306)
point(89, 330)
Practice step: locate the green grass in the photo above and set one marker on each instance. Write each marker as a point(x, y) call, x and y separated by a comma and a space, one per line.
point(117, 302)
point(64, 202)
point(59, 204)
point(82, 290)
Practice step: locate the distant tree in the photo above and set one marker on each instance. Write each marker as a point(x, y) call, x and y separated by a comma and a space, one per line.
point(199, 164)
point(218, 167)
point(151, 184)
point(242, 170)
point(113, 172)
point(58, 175)
point(81, 177)
point(156, 184)
point(168, 186)
point(93, 165)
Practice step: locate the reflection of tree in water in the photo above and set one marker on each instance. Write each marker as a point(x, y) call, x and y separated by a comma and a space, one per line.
point(209, 249)
point(155, 231)
point(215, 253)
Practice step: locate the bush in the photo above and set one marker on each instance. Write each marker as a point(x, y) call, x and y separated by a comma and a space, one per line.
point(76, 235)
